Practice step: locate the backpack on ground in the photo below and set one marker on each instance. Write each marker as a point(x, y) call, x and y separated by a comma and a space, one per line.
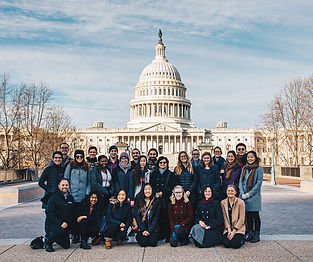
point(37, 243)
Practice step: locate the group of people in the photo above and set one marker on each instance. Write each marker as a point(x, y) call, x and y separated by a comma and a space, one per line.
point(206, 199)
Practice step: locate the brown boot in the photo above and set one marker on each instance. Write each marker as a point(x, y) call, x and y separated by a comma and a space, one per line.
point(108, 243)
point(120, 242)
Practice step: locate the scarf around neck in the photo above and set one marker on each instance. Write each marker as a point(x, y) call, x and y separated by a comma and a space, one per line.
point(250, 167)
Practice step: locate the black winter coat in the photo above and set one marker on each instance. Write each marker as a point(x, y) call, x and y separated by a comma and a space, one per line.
point(50, 177)
point(94, 217)
point(96, 182)
point(209, 177)
point(210, 213)
point(117, 214)
point(151, 222)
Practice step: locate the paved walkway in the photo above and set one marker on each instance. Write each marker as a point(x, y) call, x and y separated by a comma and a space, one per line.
point(287, 235)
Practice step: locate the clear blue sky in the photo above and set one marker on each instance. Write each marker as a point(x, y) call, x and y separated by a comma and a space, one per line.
point(233, 56)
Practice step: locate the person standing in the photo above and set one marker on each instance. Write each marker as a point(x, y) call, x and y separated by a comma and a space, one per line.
point(92, 157)
point(208, 174)
point(186, 176)
point(78, 174)
point(113, 159)
point(135, 155)
point(162, 181)
point(123, 173)
point(230, 173)
point(209, 221)
point(147, 212)
point(195, 161)
point(152, 158)
point(250, 184)
point(233, 209)
point(180, 217)
point(60, 217)
point(66, 159)
point(218, 160)
point(241, 150)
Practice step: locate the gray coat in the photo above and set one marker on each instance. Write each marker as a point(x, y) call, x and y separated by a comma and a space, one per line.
point(79, 182)
point(254, 202)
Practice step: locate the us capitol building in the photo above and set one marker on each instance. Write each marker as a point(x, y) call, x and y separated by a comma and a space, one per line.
point(160, 117)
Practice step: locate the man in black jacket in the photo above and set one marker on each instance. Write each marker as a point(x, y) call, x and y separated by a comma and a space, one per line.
point(60, 217)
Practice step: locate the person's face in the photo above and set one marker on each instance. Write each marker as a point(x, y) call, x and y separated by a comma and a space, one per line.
point(79, 158)
point(103, 162)
point(92, 153)
point(121, 196)
point(113, 153)
point(231, 192)
point(124, 160)
point(217, 152)
point(207, 193)
point(64, 186)
point(250, 158)
point(241, 150)
point(135, 154)
point(162, 164)
point(153, 154)
point(93, 199)
point(206, 160)
point(143, 162)
point(57, 159)
point(183, 158)
point(195, 155)
point(230, 158)
point(147, 191)
point(64, 149)
point(178, 193)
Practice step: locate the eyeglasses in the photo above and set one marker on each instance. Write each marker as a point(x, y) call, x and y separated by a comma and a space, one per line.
point(241, 149)
point(92, 152)
point(62, 147)
point(196, 154)
point(162, 163)
point(183, 156)
point(58, 157)
point(79, 156)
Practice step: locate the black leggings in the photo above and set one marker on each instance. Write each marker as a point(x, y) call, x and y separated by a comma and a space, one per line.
point(253, 220)
point(236, 242)
point(114, 231)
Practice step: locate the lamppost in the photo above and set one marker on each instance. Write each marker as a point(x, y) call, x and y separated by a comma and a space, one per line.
point(273, 180)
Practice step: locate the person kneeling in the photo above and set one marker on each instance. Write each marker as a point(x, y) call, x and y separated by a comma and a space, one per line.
point(119, 219)
point(208, 230)
point(234, 219)
point(147, 211)
point(89, 216)
point(180, 216)
point(60, 217)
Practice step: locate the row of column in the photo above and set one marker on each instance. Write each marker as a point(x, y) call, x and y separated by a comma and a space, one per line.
point(169, 143)
point(160, 110)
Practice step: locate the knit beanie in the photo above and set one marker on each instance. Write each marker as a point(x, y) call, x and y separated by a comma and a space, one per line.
point(113, 147)
point(124, 154)
point(79, 152)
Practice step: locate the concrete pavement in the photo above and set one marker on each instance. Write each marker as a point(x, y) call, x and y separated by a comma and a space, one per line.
point(287, 235)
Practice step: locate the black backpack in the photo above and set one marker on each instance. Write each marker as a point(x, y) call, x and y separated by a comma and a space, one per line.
point(37, 243)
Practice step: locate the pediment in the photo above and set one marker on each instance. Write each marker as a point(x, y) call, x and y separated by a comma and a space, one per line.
point(160, 128)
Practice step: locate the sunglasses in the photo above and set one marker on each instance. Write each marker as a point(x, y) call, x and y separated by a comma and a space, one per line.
point(162, 163)
point(241, 149)
point(79, 156)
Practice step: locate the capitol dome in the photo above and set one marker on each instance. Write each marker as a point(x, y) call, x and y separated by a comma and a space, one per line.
point(160, 94)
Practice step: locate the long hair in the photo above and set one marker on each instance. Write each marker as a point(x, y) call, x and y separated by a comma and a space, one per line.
point(141, 198)
point(204, 188)
point(137, 171)
point(179, 169)
point(211, 160)
point(172, 197)
point(84, 165)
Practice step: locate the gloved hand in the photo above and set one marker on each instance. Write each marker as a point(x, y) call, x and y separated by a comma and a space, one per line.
point(245, 196)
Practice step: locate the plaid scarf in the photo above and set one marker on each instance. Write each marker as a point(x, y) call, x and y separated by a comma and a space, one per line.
point(252, 169)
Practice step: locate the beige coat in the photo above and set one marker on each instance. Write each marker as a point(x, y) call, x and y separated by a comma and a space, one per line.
point(238, 215)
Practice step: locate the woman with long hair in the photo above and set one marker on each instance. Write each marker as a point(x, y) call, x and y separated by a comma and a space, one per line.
point(118, 217)
point(209, 221)
point(250, 184)
point(233, 209)
point(147, 211)
point(180, 217)
point(88, 218)
point(230, 173)
point(78, 175)
point(208, 174)
point(163, 180)
point(186, 176)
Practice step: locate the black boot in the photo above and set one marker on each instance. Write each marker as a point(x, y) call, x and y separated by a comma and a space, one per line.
point(84, 243)
point(75, 239)
point(256, 237)
point(48, 246)
point(249, 235)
